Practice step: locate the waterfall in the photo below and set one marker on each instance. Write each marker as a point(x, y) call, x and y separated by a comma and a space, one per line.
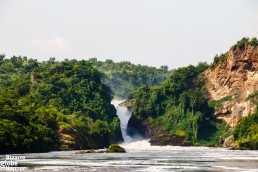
point(124, 115)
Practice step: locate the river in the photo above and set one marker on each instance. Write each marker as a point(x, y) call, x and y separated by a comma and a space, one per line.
point(141, 156)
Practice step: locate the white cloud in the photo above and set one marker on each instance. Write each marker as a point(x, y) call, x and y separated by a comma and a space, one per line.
point(54, 46)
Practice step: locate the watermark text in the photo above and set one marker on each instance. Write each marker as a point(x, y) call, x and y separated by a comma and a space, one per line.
point(11, 163)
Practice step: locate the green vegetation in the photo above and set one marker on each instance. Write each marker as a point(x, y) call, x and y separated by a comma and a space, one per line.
point(240, 44)
point(114, 148)
point(246, 131)
point(180, 106)
point(253, 42)
point(219, 58)
point(41, 101)
point(246, 41)
point(124, 77)
point(216, 104)
point(64, 105)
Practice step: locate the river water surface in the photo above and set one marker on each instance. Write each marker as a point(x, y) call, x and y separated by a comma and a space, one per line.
point(141, 156)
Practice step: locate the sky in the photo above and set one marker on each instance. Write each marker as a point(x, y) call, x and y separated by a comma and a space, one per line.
point(175, 33)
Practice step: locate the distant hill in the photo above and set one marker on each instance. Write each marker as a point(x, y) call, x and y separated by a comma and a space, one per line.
point(124, 77)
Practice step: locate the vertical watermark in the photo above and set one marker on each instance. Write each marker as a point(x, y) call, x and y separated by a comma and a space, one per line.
point(11, 163)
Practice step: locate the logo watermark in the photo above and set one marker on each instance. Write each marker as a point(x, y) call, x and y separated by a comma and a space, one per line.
point(11, 163)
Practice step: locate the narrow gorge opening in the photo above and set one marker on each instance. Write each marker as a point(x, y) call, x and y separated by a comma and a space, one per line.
point(124, 114)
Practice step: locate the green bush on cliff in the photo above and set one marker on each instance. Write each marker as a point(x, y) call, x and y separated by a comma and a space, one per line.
point(242, 43)
point(246, 132)
point(253, 42)
point(246, 41)
point(40, 100)
point(216, 104)
point(219, 58)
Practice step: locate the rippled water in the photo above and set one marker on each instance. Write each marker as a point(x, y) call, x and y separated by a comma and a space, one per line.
point(141, 156)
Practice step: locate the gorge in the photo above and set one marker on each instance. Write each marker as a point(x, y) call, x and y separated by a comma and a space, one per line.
point(124, 115)
point(66, 105)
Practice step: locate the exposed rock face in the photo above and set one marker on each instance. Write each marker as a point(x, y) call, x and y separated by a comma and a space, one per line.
point(71, 140)
point(163, 140)
point(142, 127)
point(235, 76)
point(157, 136)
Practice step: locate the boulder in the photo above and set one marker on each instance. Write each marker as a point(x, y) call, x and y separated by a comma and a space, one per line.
point(166, 139)
point(114, 148)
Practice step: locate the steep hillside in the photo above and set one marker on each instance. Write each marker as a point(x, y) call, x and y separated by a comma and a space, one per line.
point(231, 81)
point(177, 112)
point(54, 105)
point(188, 107)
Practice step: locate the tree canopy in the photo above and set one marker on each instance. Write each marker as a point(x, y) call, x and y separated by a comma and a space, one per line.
point(40, 103)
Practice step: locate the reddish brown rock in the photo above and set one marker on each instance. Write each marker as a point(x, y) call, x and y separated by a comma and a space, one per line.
point(235, 76)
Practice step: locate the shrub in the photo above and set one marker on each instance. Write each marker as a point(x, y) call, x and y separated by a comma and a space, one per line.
point(253, 42)
point(243, 42)
point(219, 58)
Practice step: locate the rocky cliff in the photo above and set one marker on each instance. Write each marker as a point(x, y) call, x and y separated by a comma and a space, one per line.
point(185, 109)
point(235, 77)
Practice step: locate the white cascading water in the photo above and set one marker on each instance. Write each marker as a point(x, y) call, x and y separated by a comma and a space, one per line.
point(124, 115)
point(135, 143)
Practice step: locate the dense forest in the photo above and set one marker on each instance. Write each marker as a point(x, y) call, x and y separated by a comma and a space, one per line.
point(54, 105)
point(180, 106)
point(124, 77)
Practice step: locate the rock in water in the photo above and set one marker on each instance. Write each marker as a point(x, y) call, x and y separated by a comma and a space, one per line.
point(114, 148)
point(228, 141)
point(174, 140)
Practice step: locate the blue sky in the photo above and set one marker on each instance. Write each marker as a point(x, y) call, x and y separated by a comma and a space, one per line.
point(151, 32)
